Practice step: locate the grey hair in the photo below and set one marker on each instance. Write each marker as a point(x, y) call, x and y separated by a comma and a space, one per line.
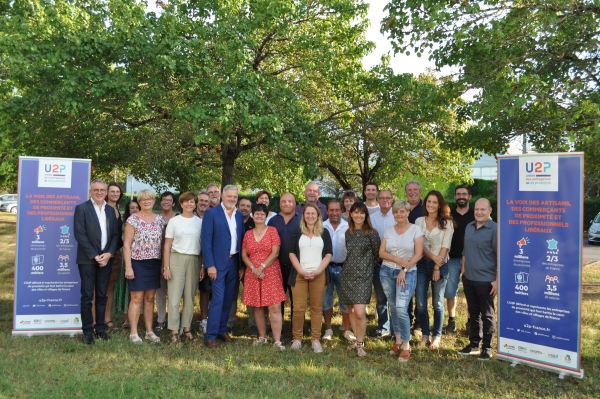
point(413, 182)
point(146, 193)
point(97, 181)
point(230, 187)
point(211, 185)
point(400, 204)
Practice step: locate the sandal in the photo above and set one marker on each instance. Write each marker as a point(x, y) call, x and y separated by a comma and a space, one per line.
point(352, 347)
point(134, 338)
point(435, 344)
point(279, 346)
point(175, 337)
point(424, 342)
point(360, 349)
point(160, 326)
point(126, 326)
point(189, 336)
point(152, 337)
point(404, 355)
point(111, 326)
point(395, 348)
point(260, 341)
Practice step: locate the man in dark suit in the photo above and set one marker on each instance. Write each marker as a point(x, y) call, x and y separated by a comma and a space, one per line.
point(97, 236)
point(222, 231)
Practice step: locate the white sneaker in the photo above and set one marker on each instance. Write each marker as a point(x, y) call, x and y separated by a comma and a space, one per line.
point(203, 326)
point(349, 335)
point(316, 345)
point(296, 344)
point(328, 334)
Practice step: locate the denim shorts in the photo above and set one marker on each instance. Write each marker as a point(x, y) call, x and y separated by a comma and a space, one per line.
point(334, 281)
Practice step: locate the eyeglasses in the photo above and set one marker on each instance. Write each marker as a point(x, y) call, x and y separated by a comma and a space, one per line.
point(385, 198)
point(98, 190)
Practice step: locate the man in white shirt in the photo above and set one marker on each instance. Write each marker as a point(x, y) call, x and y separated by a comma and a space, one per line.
point(97, 235)
point(371, 191)
point(337, 230)
point(382, 220)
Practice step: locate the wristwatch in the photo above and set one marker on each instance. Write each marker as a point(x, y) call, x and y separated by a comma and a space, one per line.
point(263, 266)
point(403, 269)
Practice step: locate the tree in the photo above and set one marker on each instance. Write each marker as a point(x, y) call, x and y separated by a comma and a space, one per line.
point(400, 125)
point(169, 95)
point(533, 64)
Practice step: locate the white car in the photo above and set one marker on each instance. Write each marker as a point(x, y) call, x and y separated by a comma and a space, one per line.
point(9, 206)
point(594, 230)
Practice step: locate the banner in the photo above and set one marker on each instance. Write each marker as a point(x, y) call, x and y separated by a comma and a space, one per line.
point(540, 254)
point(47, 291)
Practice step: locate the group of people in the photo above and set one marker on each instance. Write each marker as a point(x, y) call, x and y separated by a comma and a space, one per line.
point(395, 249)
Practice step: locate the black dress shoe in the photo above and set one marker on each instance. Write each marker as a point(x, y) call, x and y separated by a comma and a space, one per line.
point(102, 335)
point(88, 339)
point(211, 344)
point(225, 338)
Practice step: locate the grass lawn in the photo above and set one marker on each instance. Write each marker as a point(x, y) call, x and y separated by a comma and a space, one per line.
point(60, 366)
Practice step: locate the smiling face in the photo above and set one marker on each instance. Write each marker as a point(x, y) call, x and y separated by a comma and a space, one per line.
point(347, 204)
point(358, 217)
point(462, 197)
point(263, 199)
point(259, 218)
point(312, 192)
point(98, 192)
point(114, 193)
point(371, 192)
point(133, 208)
point(229, 199)
point(214, 194)
point(287, 204)
point(310, 216)
point(188, 206)
point(401, 215)
point(167, 203)
point(203, 201)
point(385, 201)
point(334, 211)
point(483, 210)
point(245, 206)
point(146, 203)
point(413, 193)
point(432, 205)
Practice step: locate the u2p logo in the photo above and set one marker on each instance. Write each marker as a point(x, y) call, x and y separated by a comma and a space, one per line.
point(537, 167)
point(54, 168)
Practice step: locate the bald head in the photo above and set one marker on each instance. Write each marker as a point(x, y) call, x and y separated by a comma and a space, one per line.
point(287, 204)
point(483, 210)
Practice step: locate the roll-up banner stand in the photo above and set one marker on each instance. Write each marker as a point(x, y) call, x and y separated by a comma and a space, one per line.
point(540, 254)
point(47, 285)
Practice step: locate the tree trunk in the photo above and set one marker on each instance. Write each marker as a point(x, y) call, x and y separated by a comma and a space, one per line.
point(228, 157)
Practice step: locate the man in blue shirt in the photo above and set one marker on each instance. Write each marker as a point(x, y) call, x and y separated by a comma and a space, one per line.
point(480, 279)
point(286, 223)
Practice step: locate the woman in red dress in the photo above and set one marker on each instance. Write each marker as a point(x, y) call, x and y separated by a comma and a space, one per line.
point(263, 284)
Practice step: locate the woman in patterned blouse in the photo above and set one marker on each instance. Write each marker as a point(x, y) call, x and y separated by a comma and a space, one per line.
point(142, 250)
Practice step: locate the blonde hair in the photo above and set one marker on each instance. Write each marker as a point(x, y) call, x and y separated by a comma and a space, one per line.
point(318, 229)
point(145, 193)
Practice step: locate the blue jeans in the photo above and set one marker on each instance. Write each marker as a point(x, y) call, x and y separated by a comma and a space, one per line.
point(398, 299)
point(383, 319)
point(454, 266)
point(438, 288)
point(334, 281)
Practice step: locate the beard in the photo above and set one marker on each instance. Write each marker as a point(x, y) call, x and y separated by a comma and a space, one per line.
point(462, 203)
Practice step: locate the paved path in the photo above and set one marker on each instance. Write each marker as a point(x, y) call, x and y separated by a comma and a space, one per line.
point(591, 253)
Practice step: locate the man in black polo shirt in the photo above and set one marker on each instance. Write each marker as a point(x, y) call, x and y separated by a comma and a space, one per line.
point(462, 215)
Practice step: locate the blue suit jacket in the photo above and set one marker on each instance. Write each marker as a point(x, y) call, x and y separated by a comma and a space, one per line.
point(216, 238)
